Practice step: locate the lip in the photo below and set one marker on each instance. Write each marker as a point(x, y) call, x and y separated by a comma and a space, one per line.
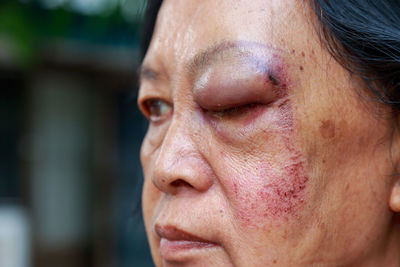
point(176, 243)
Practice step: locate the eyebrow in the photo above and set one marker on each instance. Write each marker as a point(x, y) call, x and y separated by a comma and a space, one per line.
point(213, 53)
point(204, 58)
point(224, 50)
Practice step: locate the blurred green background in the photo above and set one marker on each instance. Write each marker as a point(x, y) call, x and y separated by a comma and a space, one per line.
point(70, 134)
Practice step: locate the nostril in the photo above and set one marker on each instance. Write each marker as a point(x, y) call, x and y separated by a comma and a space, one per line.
point(180, 182)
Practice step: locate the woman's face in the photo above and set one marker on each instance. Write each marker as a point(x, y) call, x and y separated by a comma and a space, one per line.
point(261, 148)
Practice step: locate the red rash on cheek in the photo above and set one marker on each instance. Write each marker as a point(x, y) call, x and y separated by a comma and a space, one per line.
point(278, 194)
point(283, 195)
point(276, 189)
point(286, 194)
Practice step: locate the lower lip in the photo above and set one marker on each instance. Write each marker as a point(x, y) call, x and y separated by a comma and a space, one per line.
point(170, 248)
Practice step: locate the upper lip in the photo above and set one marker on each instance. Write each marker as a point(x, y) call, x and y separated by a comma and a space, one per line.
point(173, 233)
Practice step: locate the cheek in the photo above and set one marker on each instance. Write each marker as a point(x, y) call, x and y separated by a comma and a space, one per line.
point(284, 194)
point(270, 192)
point(150, 198)
point(273, 188)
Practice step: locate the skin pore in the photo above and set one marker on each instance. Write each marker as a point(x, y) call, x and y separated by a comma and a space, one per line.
point(260, 151)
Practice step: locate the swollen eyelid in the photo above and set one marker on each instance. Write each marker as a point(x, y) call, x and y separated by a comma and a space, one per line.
point(221, 88)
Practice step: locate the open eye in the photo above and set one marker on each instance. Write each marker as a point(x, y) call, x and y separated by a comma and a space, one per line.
point(157, 110)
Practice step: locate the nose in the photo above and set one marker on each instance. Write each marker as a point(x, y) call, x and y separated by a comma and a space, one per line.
point(180, 166)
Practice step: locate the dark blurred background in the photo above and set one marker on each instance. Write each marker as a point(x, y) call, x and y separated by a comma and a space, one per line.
point(70, 134)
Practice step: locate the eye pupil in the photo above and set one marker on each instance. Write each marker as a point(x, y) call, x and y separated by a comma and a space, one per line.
point(155, 108)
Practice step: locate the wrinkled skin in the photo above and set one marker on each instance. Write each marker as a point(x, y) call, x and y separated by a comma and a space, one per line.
point(260, 144)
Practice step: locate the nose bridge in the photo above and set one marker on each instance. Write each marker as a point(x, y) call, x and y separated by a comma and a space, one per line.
point(180, 164)
point(177, 145)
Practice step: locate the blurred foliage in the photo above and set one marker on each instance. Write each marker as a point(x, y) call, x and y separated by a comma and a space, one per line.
point(28, 24)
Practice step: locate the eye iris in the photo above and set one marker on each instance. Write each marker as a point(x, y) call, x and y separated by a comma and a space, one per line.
point(155, 108)
point(158, 109)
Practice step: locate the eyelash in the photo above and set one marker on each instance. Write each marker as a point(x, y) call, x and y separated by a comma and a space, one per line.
point(157, 110)
point(233, 112)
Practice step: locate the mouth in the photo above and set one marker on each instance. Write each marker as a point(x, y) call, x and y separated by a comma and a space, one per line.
point(177, 244)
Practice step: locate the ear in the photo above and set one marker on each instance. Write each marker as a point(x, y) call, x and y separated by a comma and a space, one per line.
point(394, 201)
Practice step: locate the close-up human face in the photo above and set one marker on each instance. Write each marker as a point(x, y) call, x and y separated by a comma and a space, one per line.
point(262, 150)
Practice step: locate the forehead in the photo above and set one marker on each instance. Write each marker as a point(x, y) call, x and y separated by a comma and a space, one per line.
point(186, 27)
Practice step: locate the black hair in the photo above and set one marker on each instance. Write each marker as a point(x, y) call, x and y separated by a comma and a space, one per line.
point(149, 22)
point(362, 35)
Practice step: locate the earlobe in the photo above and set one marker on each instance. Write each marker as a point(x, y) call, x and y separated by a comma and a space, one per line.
point(394, 201)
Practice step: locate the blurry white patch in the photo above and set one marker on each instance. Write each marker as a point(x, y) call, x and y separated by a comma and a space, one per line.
point(14, 237)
